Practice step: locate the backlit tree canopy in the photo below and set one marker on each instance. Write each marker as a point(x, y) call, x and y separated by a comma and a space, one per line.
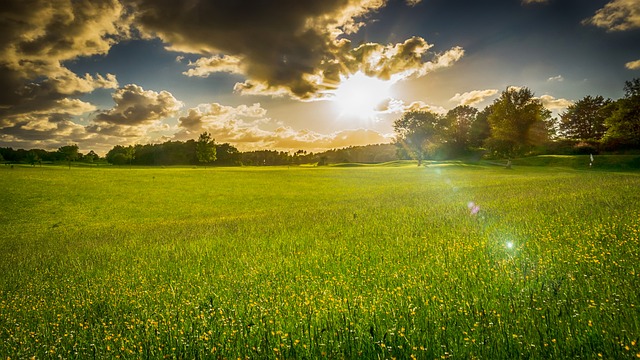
point(518, 122)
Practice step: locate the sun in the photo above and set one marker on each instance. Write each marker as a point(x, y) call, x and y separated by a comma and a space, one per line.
point(360, 95)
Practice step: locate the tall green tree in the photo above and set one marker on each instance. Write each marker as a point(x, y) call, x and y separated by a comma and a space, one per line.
point(205, 148)
point(91, 156)
point(585, 120)
point(418, 132)
point(458, 123)
point(518, 123)
point(69, 152)
point(624, 123)
point(130, 154)
point(480, 129)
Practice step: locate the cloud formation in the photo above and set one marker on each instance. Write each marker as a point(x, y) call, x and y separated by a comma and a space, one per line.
point(244, 127)
point(203, 67)
point(393, 61)
point(633, 65)
point(473, 97)
point(136, 106)
point(552, 103)
point(38, 36)
point(527, 2)
point(38, 94)
point(284, 48)
point(617, 15)
point(558, 78)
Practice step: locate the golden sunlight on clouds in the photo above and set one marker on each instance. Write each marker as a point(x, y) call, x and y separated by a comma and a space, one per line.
point(247, 128)
point(617, 15)
point(473, 97)
point(552, 103)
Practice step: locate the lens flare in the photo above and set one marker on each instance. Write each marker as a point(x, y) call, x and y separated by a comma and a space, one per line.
point(473, 208)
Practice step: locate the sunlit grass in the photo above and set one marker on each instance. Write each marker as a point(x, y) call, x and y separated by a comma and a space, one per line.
point(309, 262)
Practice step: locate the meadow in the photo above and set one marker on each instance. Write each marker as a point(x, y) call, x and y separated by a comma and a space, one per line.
point(444, 261)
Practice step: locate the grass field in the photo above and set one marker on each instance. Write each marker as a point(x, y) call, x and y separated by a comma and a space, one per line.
point(447, 261)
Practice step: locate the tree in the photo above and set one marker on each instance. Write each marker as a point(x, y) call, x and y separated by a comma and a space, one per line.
point(480, 129)
point(459, 121)
point(418, 132)
point(33, 158)
point(205, 148)
point(130, 154)
point(624, 123)
point(91, 156)
point(585, 120)
point(632, 88)
point(518, 122)
point(69, 152)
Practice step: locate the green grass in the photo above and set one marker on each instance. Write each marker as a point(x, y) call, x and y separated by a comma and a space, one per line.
point(308, 262)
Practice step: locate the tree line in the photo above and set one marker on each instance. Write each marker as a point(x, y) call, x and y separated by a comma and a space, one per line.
point(201, 151)
point(517, 124)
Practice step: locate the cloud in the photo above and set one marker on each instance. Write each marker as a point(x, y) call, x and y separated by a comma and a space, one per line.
point(528, 2)
point(413, 2)
point(617, 15)
point(203, 67)
point(280, 43)
point(244, 127)
point(136, 106)
point(38, 94)
point(473, 97)
point(552, 103)
point(38, 36)
point(395, 61)
point(395, 106)
point(136, 118)
point(285, 48)
point(633, 65)
point(557, 78)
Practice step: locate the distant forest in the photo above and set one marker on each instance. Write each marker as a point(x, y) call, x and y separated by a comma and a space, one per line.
point(184, 153)
point(516, 124)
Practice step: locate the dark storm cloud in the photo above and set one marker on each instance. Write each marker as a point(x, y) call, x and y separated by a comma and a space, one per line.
point(38, 94)
point(285, 46)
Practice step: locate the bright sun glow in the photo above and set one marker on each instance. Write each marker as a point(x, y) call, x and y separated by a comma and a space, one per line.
point(360, 95)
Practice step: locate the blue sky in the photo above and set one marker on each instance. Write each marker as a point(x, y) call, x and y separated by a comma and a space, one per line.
point(291, 75)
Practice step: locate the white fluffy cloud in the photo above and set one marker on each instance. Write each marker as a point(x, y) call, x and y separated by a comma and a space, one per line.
point(136, 106)
point(552, 103)
point(617, 15)
point(473, 97)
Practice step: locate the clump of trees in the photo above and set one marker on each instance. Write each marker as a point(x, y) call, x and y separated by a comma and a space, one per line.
point(67, 154)
point(191, 152)
point(518, 124)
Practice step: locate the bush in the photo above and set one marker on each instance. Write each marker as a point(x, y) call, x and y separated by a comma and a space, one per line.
point(585, 148)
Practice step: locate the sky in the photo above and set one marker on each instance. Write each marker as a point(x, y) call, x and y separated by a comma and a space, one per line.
point(289, 74)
